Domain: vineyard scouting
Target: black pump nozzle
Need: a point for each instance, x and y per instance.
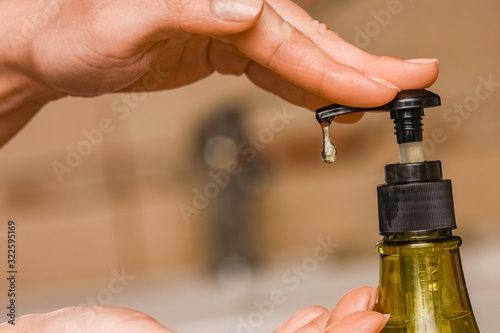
(415, 197)
(406, 109)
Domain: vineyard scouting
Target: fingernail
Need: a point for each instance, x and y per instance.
(383, 82)
(423, 61)
(237, 10)
(387, 316)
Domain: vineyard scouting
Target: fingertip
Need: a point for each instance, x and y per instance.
(428, 69)
(361, 321)
(359, 90)
(423, 61)
(434, 73)
(417, 74)
(405, 74)
(358, 299)
(373, 99)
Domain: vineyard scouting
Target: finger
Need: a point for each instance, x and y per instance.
(168, 18)
(278, 46)
(359, 299)
(270, 81)
(410, 74)
(226, 59)
(208, 17)
(362, 321)
(300, 319)
(406, 74)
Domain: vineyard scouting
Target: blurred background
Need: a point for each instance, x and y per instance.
(131, 200)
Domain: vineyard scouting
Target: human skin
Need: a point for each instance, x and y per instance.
(94, 47)
(351, 315)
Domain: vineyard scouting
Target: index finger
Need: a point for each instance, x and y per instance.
(277, 45)
(409, 74)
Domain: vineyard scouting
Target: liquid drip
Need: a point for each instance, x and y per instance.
(328, 151)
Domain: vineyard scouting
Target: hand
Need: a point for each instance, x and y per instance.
(86, 320)
(351, 315)
(88, 48)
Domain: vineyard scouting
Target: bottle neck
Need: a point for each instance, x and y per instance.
(418, 236)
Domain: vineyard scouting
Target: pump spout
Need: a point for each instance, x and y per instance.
(406, 110)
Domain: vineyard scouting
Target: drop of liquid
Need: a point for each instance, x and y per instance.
(328, 151)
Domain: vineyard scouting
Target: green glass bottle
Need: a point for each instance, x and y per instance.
(422, 284)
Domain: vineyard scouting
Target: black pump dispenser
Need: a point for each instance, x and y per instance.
(415, 197)
(421, 283)
(408, 104)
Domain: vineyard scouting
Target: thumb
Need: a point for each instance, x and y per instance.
(212, 17)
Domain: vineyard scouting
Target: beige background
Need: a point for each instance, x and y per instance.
(119, 207)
